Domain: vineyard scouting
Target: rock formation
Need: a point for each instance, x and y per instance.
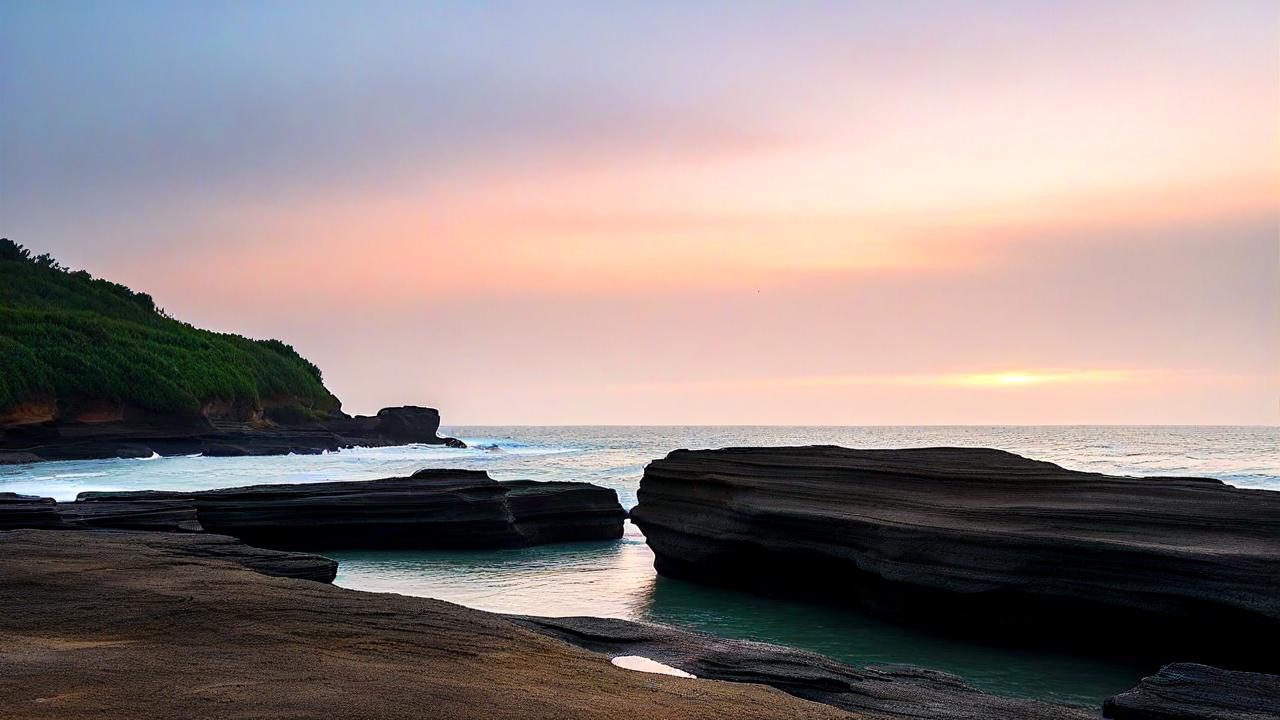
(430, 509)
(98, 623)
(144, 434)
(127, 627)
(885, 692)
(1186, 691)
(981, 541)
(27, 511)
(157, 515)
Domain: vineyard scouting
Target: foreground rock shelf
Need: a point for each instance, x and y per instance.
(875, 693)
(98, 623)
(135, 434)
(981, 541)
(430, 509)
(120, 627)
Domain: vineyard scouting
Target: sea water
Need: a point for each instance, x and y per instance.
(616, 579)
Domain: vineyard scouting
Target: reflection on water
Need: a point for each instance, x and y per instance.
(644, 664)
(616, 579)
(854, 638)
(603, 579)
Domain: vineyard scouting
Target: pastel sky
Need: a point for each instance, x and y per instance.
(668, 213)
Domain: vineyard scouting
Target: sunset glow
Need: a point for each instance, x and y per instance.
(855, 213)
(1035, 377)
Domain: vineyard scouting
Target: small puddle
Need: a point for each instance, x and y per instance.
(644, 664)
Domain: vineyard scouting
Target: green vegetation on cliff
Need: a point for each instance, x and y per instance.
(69, 336)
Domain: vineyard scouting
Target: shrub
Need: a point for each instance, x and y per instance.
(72, 336)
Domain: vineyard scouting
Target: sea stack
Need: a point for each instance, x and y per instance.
(980, 541)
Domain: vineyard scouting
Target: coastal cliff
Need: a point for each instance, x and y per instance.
(92, 369)
(981, 542)
(151, 435)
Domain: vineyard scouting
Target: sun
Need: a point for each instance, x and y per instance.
(1018, 378)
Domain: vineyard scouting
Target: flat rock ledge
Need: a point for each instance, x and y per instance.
(430, 509)
(1186, 691)
(886, 692)
(982, 542)
(148, 434)
(130, 625)
(28, 511)
(183, 548)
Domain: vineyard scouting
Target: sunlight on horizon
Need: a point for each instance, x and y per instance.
(851, 212)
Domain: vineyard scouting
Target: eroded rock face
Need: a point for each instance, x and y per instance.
(127, 626)
(430, 509)
(1187, 691)
(27, 511)
(157, 515)
(875, 693)
(143, 434)
(980, 541)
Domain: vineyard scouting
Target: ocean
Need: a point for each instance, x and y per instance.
(616, 579)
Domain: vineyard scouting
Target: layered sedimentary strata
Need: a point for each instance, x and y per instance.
(981, 541)
(875, 693)
(1187, 691)
(126, 627)
(157, 515)
(28, 511)
(430, 509)
(140, 434)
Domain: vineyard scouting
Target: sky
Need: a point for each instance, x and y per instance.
(681, 213)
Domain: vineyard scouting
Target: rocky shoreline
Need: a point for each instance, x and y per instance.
(100, 623)
(981, 542)
(145, 434)
(105, 624)
(214, 603)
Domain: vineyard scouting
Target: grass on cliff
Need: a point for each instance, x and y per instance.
(70, 336)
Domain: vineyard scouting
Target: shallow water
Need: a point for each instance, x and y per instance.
(616, 579)
(644, 664)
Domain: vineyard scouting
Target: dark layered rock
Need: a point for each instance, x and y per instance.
(1187, 691)
(404, 425)
(551, 512)
(137, 434)
(175, 547)
(156, 515)
(275, 563)
(886, 692)
(981, 541)
(430, 509)
(128, 627)
(28, 511)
